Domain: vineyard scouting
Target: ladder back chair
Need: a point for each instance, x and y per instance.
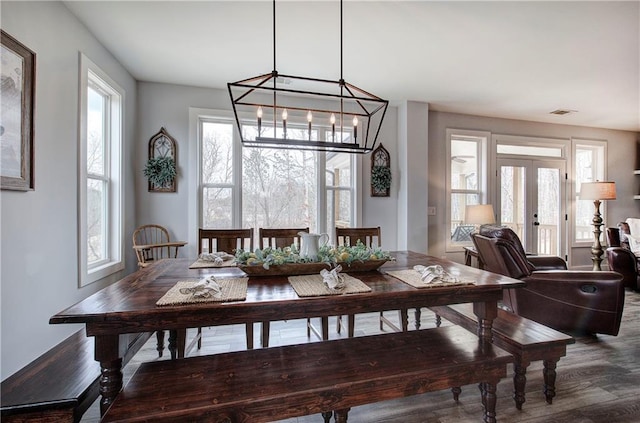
(276, 238)
(370, 237)
(229, 240)
(279, 238)
(152, 243)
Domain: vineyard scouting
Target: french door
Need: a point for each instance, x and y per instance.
(532, 201)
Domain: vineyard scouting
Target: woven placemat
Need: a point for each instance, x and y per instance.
(314, 286)
(412, 278)
(232, 289)
(201, 264)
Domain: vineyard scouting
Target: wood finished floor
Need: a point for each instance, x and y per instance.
(598, 381)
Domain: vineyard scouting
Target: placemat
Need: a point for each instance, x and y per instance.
(232, 289)
(411, 277)
(200, 264)
(314, 286)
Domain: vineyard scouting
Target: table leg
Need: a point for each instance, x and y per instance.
(341, 415)
(489, 399)
(107, 354)
(486, 313)
(519, 383)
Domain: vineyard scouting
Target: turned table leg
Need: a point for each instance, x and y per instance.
(327, 416)
(549, 373)
(160, 342)
(456, 391)
(341, 415)
(107, 353)
(489, 399)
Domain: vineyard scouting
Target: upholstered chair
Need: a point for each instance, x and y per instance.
(566, 300)
(620, 257)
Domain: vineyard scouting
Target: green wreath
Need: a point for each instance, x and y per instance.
(160, 171)
(380, 178)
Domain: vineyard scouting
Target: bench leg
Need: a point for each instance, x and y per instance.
(456, 391)
(341, 415)
(489, 399)
(519, 383)
(549, 373)
(327, 416)
(160, 342)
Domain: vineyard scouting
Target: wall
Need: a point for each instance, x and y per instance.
(165, 105)
(39, 251)
(623, 151)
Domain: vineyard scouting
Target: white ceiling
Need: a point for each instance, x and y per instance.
(517, 60)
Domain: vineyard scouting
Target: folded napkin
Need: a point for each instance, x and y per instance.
(333, 279)
(204, 288)
(435, 273)
(217, 258)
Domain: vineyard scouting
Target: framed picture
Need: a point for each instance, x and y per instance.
(17, 96)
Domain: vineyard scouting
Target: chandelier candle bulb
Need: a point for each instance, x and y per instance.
(259, 119)
(309, 119)
(284, 122)
(333, 127)
(355, 128)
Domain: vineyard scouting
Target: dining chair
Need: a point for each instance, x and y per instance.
(370, 237)
(279, 238)
(152, 243)
(229, 240)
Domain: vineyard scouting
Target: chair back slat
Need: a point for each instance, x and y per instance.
(350, 236)
(227, 240)
(279, 238)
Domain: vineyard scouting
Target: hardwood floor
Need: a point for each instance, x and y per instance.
(598, 380)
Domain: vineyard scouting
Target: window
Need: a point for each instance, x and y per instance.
(466, 183)
(589, 166)
(100, 169)
(271, 188)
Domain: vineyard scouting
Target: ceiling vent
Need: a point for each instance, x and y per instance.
(562, 112)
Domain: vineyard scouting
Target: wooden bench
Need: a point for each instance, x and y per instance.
(277, 383)
(527, 340)
(60, 385)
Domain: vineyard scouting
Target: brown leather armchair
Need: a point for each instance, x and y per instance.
(566, 300)
(620, 257)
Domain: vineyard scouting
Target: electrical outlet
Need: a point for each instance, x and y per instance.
(431, 211)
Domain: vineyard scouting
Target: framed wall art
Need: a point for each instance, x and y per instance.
(160, 169)
(17, 95)
(380, 172)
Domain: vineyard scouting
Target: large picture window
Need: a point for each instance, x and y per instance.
(589, 166)
(271, 188)
(100, 168)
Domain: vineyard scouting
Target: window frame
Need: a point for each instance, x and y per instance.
(90, 75)
(482, 139)
(198, 116)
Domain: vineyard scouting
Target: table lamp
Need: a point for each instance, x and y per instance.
(479, 214)
(597, 191)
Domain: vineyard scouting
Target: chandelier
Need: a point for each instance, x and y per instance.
(274, 110)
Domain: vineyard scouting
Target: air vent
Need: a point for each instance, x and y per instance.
(562, 112)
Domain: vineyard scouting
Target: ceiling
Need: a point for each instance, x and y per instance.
(518, 60)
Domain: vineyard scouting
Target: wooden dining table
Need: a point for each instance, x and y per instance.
(129, 305)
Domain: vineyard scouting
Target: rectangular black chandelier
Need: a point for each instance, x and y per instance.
(294, 112)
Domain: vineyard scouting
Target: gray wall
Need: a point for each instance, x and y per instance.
(39, 249)
(623, 151)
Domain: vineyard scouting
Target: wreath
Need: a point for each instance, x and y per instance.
(380, 178)
(160, 171)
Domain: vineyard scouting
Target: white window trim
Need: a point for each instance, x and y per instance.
(596, 144)
(484, 194)
(115, 215)
(196, 115)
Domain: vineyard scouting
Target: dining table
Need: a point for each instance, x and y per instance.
(130, 304)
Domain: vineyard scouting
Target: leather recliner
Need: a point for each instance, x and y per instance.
(566, 300)
(620, 257)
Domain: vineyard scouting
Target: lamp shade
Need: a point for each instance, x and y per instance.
(479, 214)
(598, 191)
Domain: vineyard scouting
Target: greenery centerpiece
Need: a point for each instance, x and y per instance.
(160, 170)
(357, 257)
